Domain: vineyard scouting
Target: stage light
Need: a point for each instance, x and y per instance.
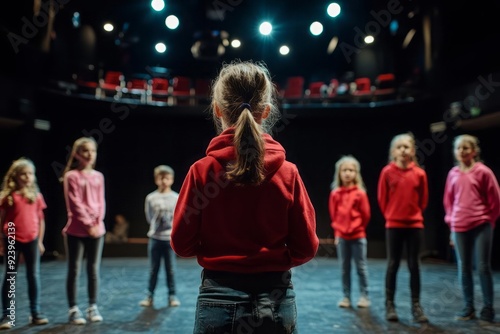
(408, 38)
(236, 43)
(265, 28)
(160, 47)
(172, 22)
(332, 45)
(158, 5)
(333, 9)
(284, 50)
(108, 27)
(316, 28)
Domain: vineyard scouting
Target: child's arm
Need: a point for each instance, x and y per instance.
(364, 209)
(448, 199)
(102, 200)
(41, 219)
(493, 196)
(382, 192)
(424, 192)
(148, 210)
(41, 235)
(332, 206)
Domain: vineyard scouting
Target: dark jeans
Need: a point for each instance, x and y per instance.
(31, 255)
(396, 239)
(230, 303)
(158, 249)
(75, 249)
(478, 241)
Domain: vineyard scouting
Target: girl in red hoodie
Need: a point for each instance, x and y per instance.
(244, 212)
(402, 197)
(350, 213)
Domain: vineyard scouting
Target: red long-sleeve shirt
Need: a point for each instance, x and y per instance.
(270, 227)
(403, 195)
(349, 212)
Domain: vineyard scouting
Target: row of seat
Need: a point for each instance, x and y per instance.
(359, 90)
(182, 90)
(175, 90)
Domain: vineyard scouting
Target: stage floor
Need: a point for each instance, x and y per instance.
(317, 285)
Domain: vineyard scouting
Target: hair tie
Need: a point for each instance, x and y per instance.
(244, 106)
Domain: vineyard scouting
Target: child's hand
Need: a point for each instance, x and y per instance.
(41, 247)
(336, 242)
(94, 231)
(452, 244)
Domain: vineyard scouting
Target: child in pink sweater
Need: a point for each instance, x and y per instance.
(84, 230)
(472, 205)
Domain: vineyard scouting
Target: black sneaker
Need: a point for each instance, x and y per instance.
(390, 311)
(487, 314)
(38, 319)
(468, 313)
(418, 313)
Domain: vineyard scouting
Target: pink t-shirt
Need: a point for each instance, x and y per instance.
(85, 204)
(26, 217)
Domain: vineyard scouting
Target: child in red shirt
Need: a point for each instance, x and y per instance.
(23, 229)
(350, 213)
(245, 213)
(402, 197)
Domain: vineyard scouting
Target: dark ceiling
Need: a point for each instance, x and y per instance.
(463, 35)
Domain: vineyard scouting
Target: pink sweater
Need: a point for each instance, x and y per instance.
(471, 198)
(85, 204)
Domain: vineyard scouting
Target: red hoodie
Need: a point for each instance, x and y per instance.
(349, 212)
(402, 195)
(246, 229)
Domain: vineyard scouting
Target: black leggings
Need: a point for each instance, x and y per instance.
(75, 249)
(396, 238)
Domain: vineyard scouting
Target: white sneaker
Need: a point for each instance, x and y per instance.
(93, 314)
(147, 302)
(76, 316)
(5, 323)
(363, 302)
(173, 301)
(345, 303)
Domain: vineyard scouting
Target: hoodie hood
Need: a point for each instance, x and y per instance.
(222, 149)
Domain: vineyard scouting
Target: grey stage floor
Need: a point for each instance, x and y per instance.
(317, 284)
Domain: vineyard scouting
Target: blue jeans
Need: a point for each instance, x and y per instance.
(75, 248)
(262, 303)
(349, 250)
(478, 241)
(31, 255)
(158, 249)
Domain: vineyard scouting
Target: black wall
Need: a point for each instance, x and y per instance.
(133, 139)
